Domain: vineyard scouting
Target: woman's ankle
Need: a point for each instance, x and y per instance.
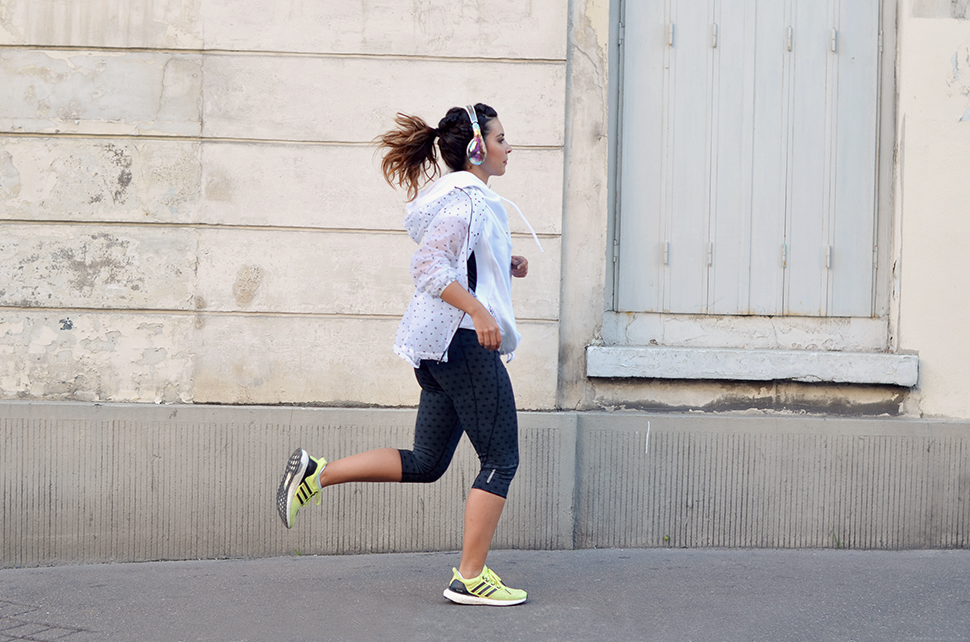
(471, 573)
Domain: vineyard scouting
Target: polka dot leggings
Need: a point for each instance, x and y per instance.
(470, 393)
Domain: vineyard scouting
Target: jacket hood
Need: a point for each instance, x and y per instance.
(422, 210)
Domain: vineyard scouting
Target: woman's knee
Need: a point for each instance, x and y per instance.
(418, 470)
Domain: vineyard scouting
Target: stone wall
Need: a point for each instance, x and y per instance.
(192, 210)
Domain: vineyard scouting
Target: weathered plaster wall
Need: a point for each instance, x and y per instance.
(933, 200)
(191, 210)
(586, 211)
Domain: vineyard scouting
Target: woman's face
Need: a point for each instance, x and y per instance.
(497, 153)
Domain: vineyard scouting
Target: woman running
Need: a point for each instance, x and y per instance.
(457, 325)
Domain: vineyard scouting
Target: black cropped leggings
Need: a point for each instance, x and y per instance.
(469, 393)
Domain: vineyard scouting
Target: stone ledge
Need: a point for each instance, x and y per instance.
(751, 365)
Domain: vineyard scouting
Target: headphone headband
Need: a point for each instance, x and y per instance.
(476, 146)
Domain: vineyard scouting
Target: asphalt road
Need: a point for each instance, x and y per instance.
(591, 595)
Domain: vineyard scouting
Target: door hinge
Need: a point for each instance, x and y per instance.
(710, 254)
(714, 37)
(666, 251)
(791, 35)
(670, 34)
(828, 257)
(784, 255)
(622, 35)
(835, 40)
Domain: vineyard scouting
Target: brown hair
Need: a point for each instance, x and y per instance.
(410, 153)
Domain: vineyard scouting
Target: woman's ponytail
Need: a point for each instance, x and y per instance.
(410, 157)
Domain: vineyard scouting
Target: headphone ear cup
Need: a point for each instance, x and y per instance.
(476, 147)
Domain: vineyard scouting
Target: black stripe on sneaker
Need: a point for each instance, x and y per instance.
(303, 494)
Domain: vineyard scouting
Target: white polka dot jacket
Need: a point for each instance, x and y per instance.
(451, 218)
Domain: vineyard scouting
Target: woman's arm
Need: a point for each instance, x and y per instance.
(437, 261)
(486, 328)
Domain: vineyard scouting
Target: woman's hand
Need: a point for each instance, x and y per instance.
(487, 330)
(520, 266)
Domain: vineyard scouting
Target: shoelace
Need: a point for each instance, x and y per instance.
(489, 576)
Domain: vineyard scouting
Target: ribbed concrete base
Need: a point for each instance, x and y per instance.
(86, 483)
(778, 482)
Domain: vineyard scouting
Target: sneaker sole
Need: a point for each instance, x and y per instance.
(295, 468)
(458, 598)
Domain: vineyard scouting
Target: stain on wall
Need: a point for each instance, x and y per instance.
(102, 259)
(247, 283)
(77, 179)
(77, 266)
(55, 92)
(136, 23)
(121, 159)
(9, 177)
(959, 80)
(750, 397)
(95, 357)
(959, 9)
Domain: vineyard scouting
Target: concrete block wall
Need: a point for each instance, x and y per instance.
(191, 209)
(111, 483)
(771, 482)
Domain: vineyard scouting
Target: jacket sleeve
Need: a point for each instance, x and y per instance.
(438, 261)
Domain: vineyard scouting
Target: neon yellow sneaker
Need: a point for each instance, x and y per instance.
(486, 589)
(299, 484)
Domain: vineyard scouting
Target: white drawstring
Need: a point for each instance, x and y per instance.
(522, 216)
